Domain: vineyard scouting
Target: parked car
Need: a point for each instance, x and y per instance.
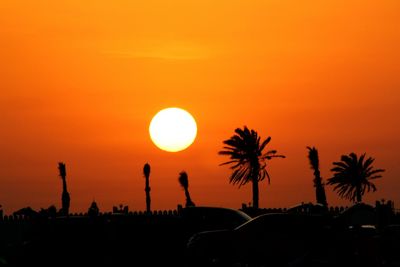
(198, 219)
(172, 237)
(267, 240)
(390, 245)
(212, 218)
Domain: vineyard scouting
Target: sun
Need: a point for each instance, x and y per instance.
(173, 129)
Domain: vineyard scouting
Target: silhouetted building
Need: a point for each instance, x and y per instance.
(27, 212)
(121, 209)
(50, 212)
(93, 209)
(385, 212)
(358, 214)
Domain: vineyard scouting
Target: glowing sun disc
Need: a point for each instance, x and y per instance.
(173, 129)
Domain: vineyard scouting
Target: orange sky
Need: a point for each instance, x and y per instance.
(81, 80)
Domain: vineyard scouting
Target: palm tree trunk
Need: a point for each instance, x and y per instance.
(320, 191)
(359, 198)
(255, 193)
(147, 190)
(321, 196)
(64, 184)
(319, 188)
(65, 198)
(189, 201)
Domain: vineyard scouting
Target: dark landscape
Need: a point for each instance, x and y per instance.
(358, 236)
(209, 133)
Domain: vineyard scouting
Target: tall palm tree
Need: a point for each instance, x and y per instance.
(352, 176)
(146, 173)
(184, 181)
(247, 159)
(65, 198)
(318, 184)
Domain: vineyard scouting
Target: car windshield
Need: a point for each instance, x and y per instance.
(281, 221)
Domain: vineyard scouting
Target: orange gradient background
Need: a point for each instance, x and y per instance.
(81, 80)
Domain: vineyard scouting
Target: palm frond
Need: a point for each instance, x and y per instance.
(352, 175)
(62, 169)
(265, 143)
(183, 179)
(313, 157)
(245, 150)
(146, 170)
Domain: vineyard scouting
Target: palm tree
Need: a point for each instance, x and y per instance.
(146, 173)
(352, 176)
(247, 159)
(65, 199)
(184, 181)
(318, 184)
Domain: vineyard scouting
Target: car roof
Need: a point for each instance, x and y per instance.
(284, 219)
(207, 209)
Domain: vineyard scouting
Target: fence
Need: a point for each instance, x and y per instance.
(28, 214)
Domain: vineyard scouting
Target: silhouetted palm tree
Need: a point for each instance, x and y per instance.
(247, 158)
(146, 172)
(184, 181)
(318, 184)
(352, 175)
(65, 199)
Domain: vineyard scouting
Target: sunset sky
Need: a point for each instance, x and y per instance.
(81, 80)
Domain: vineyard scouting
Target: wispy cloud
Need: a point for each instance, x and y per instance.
(167, 51)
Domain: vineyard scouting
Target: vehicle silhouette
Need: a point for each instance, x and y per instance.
(212, 218)
(280, 239)
(292, 239)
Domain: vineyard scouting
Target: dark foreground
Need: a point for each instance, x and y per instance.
(162, 240)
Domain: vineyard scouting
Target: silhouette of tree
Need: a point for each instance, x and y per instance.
(146, 173)
(184, 181)
(318, 184)
(352, 175)
(65, 199)
(247, 159)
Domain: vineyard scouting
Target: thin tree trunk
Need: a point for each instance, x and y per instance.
(319, 188)
(147, 190)
(255, 193)
(65, 203)
(359, 198)
(321, 196)
(64, 184)
(65, 198)
(320, 191)
(189, 201)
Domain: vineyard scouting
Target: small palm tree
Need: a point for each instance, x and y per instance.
(318, 184)
(65, 198)
(184, 181)
(248, 159)
(352, 176)
(146, 173)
